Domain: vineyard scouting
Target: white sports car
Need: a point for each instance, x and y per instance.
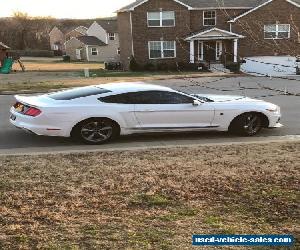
(96, 114)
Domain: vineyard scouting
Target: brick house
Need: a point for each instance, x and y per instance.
(192, 31)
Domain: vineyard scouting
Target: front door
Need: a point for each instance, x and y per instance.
(163, 110)
(219, 50)
(78, 54)
(210, 51)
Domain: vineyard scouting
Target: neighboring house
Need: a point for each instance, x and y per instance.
(87, 48)
(57, 40)
(192, 31)
(78, 31)
(101, 43)
(3, 51)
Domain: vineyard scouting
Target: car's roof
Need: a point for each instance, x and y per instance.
(124, 87)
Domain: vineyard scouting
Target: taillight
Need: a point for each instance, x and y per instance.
(32, 112)
(25, 109)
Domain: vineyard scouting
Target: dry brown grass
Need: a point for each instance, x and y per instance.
(56, 66)
(154, 199)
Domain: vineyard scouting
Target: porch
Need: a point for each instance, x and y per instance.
(213, 46)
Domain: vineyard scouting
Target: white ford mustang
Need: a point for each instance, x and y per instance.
(96, 114)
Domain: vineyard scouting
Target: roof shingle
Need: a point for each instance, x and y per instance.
(91, 40)
(247, 4)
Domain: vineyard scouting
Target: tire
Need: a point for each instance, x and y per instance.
(248, 124)
(96, 131)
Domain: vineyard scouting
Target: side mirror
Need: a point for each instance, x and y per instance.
(196, 103)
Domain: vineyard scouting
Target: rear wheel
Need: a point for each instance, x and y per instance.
(248, 124)
(96, 131)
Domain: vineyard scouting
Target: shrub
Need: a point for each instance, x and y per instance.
(133, 65)
(66, 58)
(162, 67)
(184, 66)
(113, 66)
(234, 67)
(149, 67)
(34, 53)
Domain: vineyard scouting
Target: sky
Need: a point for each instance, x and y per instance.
(63, 8)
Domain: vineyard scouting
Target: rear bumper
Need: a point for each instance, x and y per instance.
(35, 125)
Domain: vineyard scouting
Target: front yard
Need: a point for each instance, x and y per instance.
(153, 199)
(55, 65)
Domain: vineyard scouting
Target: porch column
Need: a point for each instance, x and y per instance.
(192, 51)
(235, 50)
(201, 51)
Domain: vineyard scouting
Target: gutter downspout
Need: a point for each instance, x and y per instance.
(131, 33)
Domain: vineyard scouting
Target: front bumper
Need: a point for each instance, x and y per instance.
(274, 121)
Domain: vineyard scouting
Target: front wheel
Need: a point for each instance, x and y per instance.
(248, 124)
(95, 131)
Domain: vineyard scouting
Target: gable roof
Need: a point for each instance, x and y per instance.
(294, 2)
(55, 28)
(111, 26)
(81, 29)
(3, 46)
(91, 40)
(204, 4)
(213, 33)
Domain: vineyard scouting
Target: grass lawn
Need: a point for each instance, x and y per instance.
(56, 66)
(153, 199)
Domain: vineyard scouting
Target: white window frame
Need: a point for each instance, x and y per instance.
(205, 18)
(160, 19)
(277, 32)
(92, 48)
(161, 50)
(111, 35)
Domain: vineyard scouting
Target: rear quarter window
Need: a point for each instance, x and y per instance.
(77, 93)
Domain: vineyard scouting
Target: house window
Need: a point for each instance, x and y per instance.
(118, 51)
(161, 19)
(209, 18)
(94, 51)
(111, 36)
(162, 49)
(277, 31)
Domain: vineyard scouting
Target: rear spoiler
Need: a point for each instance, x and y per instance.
(34, 101)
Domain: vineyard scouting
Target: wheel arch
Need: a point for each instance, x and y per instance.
(96, 117)
(265, 119)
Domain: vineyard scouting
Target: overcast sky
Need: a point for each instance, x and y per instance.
(63, 8)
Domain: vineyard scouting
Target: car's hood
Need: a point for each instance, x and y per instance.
(224, 98)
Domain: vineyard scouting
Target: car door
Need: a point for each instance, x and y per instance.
(171, 110)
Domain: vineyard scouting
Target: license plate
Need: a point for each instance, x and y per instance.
(13, 117)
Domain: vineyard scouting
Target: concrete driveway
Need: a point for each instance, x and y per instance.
(15, 140)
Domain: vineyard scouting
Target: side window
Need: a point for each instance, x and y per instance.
(164, 97)
(118, 99)
(148, 97)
